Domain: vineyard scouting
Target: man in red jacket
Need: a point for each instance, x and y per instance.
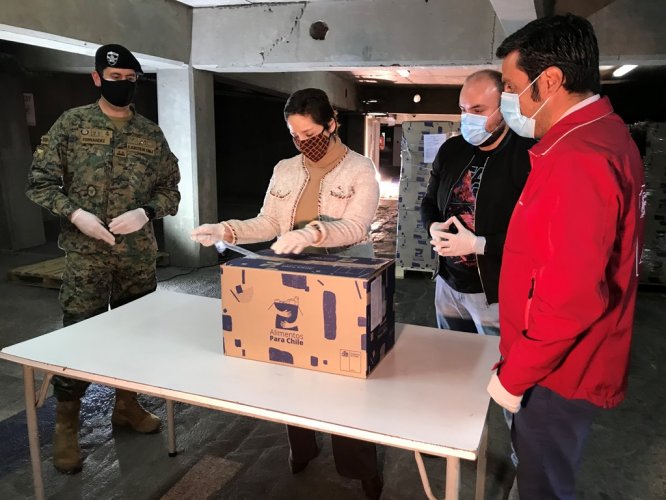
(569, 274)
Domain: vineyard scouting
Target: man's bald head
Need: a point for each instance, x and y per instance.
(480, 95)
(481, 92)
(486, 75)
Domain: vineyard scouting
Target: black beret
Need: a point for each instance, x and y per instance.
(115, 56)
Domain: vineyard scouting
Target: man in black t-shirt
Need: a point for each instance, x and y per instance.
(475, 182)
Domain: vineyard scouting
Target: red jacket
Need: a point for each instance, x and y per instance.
(570, 269)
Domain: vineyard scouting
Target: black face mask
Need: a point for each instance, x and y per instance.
(118, 92)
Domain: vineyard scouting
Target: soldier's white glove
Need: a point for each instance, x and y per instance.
(296, 241)
(129, 222)
(503, 397)
(464, 242)
(90, 225)
(208, 234)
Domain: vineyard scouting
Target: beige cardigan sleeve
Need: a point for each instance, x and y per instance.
(353, 226)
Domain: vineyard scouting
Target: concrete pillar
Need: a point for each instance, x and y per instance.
(186, 114)
(21, 224)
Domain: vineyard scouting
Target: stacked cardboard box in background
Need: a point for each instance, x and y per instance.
(413, 251)
(653, 262)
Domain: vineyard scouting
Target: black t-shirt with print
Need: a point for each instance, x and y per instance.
(461, 273)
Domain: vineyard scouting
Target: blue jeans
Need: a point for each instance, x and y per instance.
(465, 312)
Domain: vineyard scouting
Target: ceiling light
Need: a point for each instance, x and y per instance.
(623, 70)
(403, 73)
(417, 97)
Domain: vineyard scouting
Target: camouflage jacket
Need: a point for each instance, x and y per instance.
(85, 162)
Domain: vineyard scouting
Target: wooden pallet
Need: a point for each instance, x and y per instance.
(401, 272)
(48, 273)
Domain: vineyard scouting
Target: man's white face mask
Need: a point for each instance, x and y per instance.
(519, 123)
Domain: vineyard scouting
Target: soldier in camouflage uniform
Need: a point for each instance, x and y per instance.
(106, 171)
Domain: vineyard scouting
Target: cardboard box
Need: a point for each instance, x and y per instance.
(322, 312)
(411, 194)
(413, 240)
(413, 248)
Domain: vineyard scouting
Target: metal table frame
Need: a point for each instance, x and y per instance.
(487, 349)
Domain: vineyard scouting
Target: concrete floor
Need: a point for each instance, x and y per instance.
(223, 456)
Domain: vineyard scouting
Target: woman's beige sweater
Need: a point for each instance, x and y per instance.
(348, 198)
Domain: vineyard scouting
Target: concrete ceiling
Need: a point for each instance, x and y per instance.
(225, 3)
(446, 75)
(455, 75)
(617, 29)
(511, 14)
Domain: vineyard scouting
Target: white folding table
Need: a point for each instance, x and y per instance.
(427, 396)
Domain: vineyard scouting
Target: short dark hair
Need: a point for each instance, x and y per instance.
(567, 42)
(313, 103)
(490, 74)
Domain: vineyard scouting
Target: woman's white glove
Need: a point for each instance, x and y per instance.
(296, 241)
(208, 234)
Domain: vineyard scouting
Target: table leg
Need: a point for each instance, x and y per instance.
(44, 389)
(424, 476)
(171, 429)
(452, 478)
(33, 432)
(481, 464)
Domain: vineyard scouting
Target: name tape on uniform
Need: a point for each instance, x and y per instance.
(140, 145)
(95, 136)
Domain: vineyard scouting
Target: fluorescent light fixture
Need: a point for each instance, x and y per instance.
(623, 70)
(403, 73)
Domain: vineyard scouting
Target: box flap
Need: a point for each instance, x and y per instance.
(318, 264)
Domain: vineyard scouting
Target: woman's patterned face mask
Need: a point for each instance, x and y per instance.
(313, 148)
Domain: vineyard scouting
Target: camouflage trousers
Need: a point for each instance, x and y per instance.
(90, 285)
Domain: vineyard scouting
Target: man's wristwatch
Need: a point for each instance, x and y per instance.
(150, 211)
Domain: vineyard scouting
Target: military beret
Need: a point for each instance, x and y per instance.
(116, 56)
